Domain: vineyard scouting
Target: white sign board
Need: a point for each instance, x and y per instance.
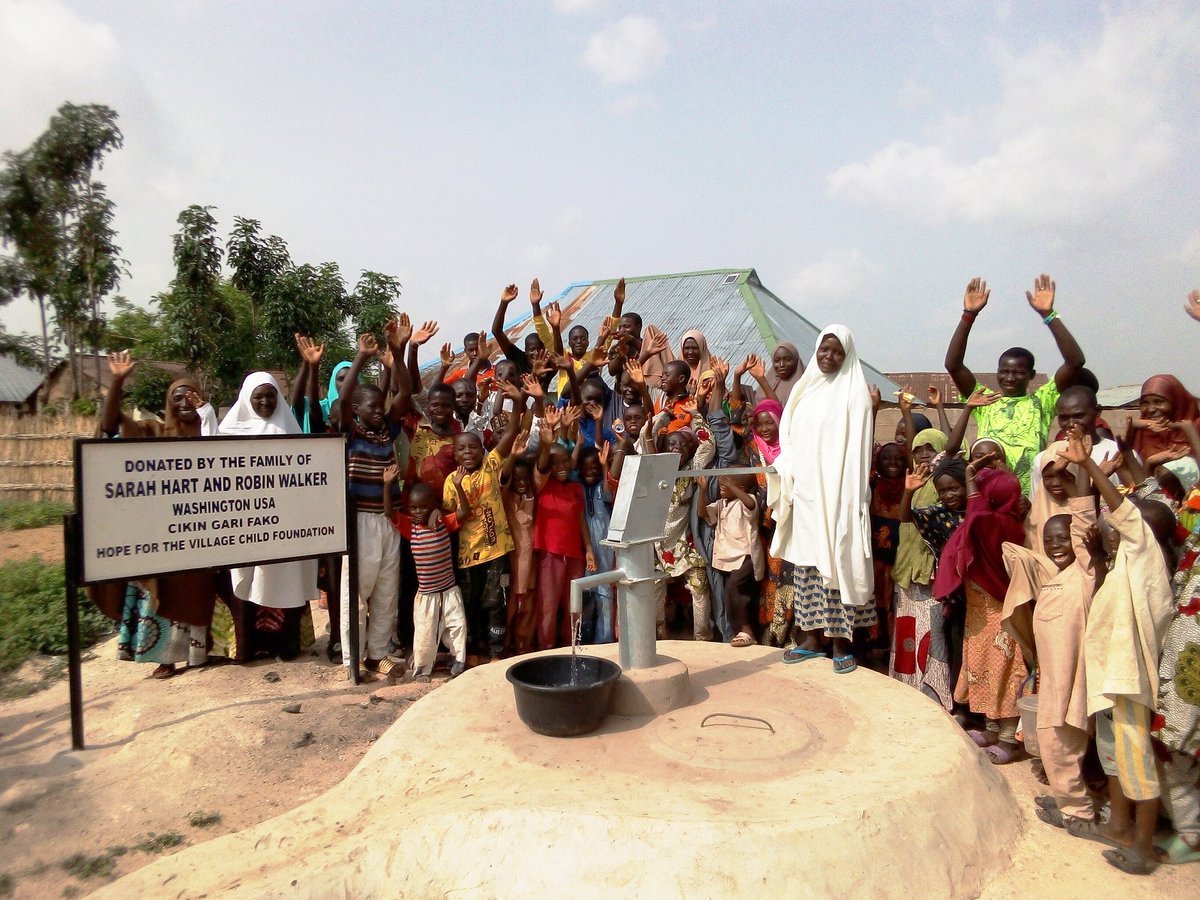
(154, 506)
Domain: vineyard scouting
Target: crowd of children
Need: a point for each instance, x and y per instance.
(1060, 562)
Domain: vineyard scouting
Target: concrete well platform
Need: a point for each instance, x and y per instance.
(856, 786)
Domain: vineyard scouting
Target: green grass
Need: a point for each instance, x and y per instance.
(157, 843)
(18, 514)
(204, 820)
(34, 613)
(102, 865)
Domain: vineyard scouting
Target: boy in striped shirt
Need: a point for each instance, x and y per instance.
(438, 615)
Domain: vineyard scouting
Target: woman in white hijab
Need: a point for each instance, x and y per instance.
(270, 602)
(821, 500)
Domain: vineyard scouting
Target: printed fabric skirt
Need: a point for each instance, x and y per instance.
(920, 656)
(775, 608)
(992, 668)
(145, 636)
(819, 608)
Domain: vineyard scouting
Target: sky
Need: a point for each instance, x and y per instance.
(867, 158)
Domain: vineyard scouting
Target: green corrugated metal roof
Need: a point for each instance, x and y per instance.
(736, 313)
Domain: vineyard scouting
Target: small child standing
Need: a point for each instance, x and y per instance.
(1058, 580)
(484, 540)
(520, 500)
(1126, 626)
(597, 512)
(560, 538)
(438, 615)
(737, 549)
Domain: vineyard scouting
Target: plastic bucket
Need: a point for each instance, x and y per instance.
(1028, 707)
(563, 695)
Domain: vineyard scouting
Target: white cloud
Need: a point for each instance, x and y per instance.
(1071, 132)
(629, 103)
(578, 6)
(626, 51)
(838, 273)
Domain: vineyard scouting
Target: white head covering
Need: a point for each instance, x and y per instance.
(821, 494)
(242, 419)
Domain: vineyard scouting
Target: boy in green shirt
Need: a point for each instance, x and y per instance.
(1015, 419)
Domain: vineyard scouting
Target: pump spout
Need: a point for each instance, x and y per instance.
(579, 585)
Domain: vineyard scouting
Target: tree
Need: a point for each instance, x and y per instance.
(196, 316)
(28, 229)
(87, 263)
(374, 303)
(308, 299)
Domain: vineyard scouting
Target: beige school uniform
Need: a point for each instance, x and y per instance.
(1126, 626)
(1056, 624)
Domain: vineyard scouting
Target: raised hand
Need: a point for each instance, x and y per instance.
(756, 368)
(554, 315)
(535, 293)
(1042, 296)
(447, 355)
(552, 419)
(459, 474)
(935, 396)
(981, 397)
(401, 332)
(633, 371)
(905, 400)
(509, 294)
(720, 368)
(619, 291)
(1093, 540)
(916, 479)
(876, 398)
(485, 347)
(571, 416)
(982, 462)
(1112, 464)
(310, 351)
(605, 453)
(655, 341)
(521, 444)
(1192, 307)
(538, 362)
(367, 345)
(1076, 452)
(604, 333)
(532, 387)
(744, 366)
(391, 473)
(424, 333)
(121, 364)
(510, 389)
(385, 357)
(976, 296)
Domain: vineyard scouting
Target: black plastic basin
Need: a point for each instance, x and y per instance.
(561, 696)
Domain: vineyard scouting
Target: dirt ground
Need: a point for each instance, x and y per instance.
(44, 542)
(178, 762)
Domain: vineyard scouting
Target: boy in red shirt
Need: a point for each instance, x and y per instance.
(438, 614)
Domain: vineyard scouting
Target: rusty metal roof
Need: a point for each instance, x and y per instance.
(732, 308)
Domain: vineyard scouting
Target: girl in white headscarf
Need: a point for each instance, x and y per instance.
(270, 602)
(821, 500)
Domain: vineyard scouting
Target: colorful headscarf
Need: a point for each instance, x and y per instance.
(1183, 408)
(332, 393)
(768, 451)
(173, 427)
(783, 386)
(974, 551)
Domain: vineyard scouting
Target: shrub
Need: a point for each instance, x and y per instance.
(18, 514)
(34, 613)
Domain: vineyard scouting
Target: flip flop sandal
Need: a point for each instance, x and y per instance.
(390, 667)
(799, 654)
(1045, 801)
(1090, 831)
(982, 739)
(844, 665)
(1001, 755)
(164, 672)
(1051, 816)
(742, 640)
(1130, 860)
(1178, 850)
